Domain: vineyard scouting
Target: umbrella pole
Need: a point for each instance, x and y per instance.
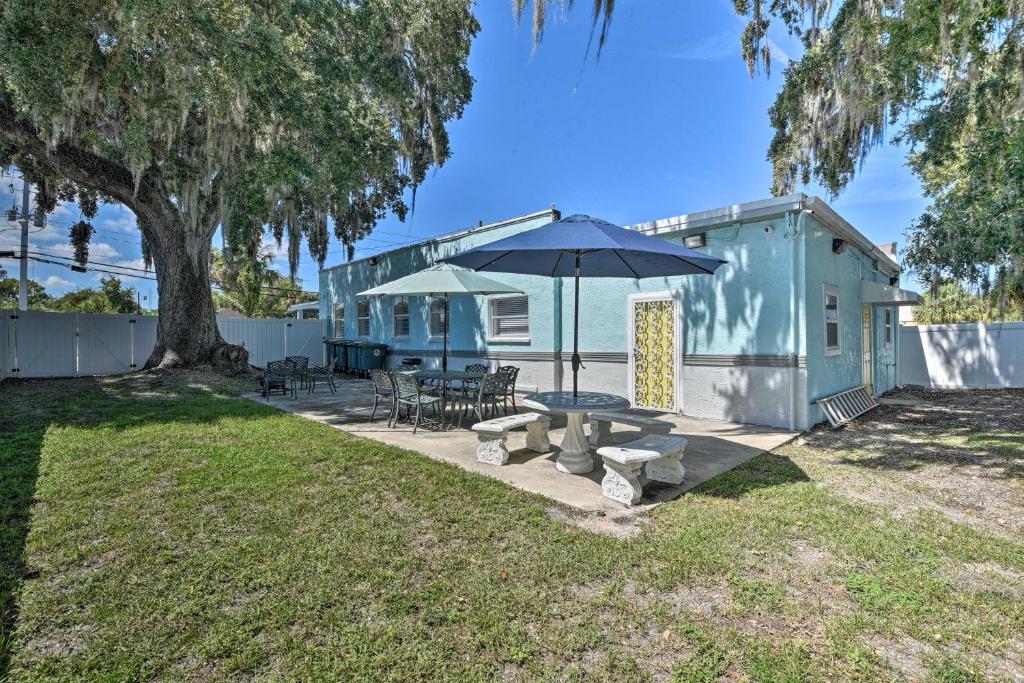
(576, 363)
(444, 355)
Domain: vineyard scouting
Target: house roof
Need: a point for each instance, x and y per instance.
(763, 209)
(702, 221)
(448, 237)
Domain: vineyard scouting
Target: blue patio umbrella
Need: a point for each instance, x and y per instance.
(583, 246)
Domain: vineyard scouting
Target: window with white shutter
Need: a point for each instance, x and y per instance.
(339, 320)
(363, 317)
(509, 319)
(831, 301)
(437, 317)
(400, 317)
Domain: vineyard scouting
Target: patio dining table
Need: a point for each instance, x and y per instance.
(445, 378)
(574, 457)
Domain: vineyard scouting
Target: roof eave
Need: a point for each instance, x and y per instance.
(765, 209)
(446, 238)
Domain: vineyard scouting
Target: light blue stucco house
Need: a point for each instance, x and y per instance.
(805, 307)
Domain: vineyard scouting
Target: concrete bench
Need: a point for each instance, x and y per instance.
(601, 426)
(662, 453)
(492, 435)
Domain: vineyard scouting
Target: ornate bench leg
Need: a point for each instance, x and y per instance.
(667, 469)
(600, 433)
(537, 437)
(621, 482)
(491, 448)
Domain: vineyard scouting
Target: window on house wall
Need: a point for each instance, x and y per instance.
(888, 326)
(339, 320)
(436, 316)
(510, 318)
(363, 317)
(400, 317)
(831, 303)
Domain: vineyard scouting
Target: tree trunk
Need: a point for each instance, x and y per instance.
(187, 332)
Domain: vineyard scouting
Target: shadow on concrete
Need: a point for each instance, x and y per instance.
(713, 447)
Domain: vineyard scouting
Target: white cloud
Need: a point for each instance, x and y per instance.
(97, 250)
(56, 282)
(724, 45)
(123, 223)
(710, 48)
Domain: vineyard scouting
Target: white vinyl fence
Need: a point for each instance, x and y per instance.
(963, 356)
(38, 344)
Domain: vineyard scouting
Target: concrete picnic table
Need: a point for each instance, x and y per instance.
(574, 457)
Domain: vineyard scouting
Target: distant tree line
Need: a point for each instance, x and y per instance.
(952, 302)
(112, 296)
(254, 289)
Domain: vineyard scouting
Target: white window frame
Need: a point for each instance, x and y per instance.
(491, 327)
(335, 319)
(396, 316)
(435, 335)
(360, 318)
(887, 327)
(826, 291)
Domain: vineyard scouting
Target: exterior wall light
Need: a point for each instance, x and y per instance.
(694, 241)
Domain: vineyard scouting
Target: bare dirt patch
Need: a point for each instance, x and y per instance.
(959, 453)
(906, 655)
(627, 524)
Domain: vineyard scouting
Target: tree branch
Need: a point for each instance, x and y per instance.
(87, 169)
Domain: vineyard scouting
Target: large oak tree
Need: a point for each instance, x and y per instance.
(298, 117)
(944, 76)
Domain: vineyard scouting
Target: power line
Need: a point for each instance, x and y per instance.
(41, 257)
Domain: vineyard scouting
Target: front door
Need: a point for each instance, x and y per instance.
(869, 343)
(653, 357)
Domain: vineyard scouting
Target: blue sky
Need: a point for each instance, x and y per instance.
(667, 122)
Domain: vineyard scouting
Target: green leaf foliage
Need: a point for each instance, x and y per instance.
(297, 115)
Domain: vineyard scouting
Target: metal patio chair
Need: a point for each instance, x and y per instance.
(509, 374)
(300, 364)
(409, 394)
(383, 390)
(325, 375)
(477, 400)
(277, 376)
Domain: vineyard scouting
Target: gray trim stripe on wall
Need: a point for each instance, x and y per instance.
(695, 359)
(758, 360)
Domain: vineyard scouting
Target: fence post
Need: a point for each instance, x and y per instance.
(75, 347)
(16, 355)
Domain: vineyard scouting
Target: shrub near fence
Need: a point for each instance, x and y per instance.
(43, 344)
(962, 356)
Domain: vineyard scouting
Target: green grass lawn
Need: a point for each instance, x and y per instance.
(158, 528)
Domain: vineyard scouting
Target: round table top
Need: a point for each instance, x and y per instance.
(585, 402)
(450, 374)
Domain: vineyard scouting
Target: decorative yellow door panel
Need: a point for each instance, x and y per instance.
(654, 355)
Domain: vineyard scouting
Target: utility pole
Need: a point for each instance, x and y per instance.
(23, 278)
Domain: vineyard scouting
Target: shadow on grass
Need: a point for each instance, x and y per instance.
(31, 408)
(21, 444)
(766, 471)
(976, 428)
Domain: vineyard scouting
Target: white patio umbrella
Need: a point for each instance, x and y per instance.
(442, 280)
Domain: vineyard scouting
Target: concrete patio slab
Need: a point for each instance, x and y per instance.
(713, 447)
